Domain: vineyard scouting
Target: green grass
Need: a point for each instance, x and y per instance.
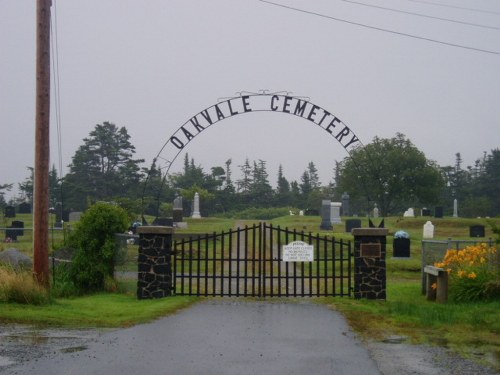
(466, 328)
(99, 310)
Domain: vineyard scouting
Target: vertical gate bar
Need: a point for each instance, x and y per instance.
(294, 267)
(349, 265)
(334, 262)
(198, 266)
(287, 270)
(190, 269)
(318, 261)
(325, 263)
(264, 250)
(207, 255)
(230, 256)
(341, 268)
(245, 262)
(302, 270)
(222, 258)
(271, 258)
(214, 266)
(182, 266)
(279, 260)
(262, 254)
(238, 262)
(310, 267)
(254, 252)
(174, 267)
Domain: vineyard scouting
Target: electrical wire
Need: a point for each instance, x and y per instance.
(422, 15)
(57, 91)
(381, 29)
(455, 7)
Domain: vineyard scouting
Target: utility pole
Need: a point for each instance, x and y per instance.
(42, 145)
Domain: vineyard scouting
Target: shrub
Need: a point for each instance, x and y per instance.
(95, 247)
(474, 273)
(20, 287)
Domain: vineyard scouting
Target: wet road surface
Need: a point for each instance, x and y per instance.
(220, 337)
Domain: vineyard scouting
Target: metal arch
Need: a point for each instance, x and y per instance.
(245, 102)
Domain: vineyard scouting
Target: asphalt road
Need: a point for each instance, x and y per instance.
(220, 337)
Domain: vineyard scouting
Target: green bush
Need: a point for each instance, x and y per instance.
(95, 247)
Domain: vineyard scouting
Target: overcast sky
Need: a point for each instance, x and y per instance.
(152, 65)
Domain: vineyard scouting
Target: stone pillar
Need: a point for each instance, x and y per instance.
(370, 270)
(154, 279)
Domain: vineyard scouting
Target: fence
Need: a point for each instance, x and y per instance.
(434, 251)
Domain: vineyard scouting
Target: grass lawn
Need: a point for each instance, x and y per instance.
(472, 329)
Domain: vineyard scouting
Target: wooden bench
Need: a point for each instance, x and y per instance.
(438, 276)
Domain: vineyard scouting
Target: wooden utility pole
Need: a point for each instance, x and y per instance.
(42, 145)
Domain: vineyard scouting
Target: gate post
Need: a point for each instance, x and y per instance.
(369, 263)
(154, 279)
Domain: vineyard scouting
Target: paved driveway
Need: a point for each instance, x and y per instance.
(220, 337)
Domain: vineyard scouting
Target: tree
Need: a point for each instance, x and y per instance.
(245, 183)
(103, 167)
(490, 181)
(260, 189)
(283, 194)
(3, 187)
(392, 173)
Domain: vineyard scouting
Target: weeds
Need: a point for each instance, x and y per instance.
(19, 286)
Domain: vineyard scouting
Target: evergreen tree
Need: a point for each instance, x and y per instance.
(103, 168)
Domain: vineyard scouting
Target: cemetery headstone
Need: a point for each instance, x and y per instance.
(438, 212)
(345, 204)
(476, 231)
(177, 209)
(401, 245)
(326, 223)
(428, 230)
(24, 208)
(426, 212)
(196, 206)
(350, 224)
(10, 211)
(18, 224)
(375, 211)
(455, 208)
(335, 213)
(163, 221)
(409, 213)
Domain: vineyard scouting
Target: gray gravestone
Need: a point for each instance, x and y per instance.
(177, 211)
(345, 204)
(326, 211)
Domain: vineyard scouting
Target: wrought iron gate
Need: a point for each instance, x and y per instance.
(248, 262)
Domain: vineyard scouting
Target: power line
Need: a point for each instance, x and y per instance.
(422, 15)
(455, 7)
(381, 29)
(57, 91)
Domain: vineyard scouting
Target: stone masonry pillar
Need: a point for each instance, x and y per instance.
(370, 270)
(154, 279)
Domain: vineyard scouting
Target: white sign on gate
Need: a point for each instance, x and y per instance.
(298, 251)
